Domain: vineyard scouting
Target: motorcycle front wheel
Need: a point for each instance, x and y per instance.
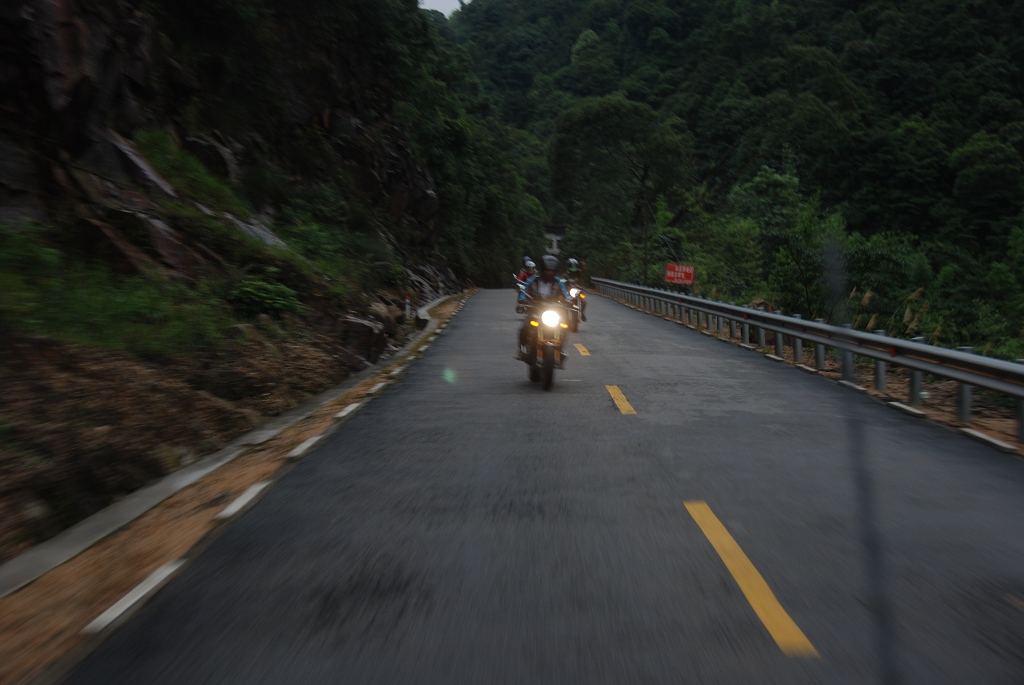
(548, 370)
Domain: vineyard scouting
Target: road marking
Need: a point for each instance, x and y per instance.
(583, 351)
(242, 500)
(620, 400)
(301, 449)
(783, 629)
(346, 411)
(375, 389)
(147, 587)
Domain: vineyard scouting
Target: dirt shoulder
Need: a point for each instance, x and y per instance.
(41, 624)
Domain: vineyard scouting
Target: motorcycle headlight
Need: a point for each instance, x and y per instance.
(573, 292)
(550, 318)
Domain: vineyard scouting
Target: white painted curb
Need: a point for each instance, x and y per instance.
(989, 440)
(242, 501)
(907, 409)
(304, 447)
(141, 591)
(347, 410)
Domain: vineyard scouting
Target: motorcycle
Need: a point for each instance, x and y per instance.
(545, 346)
(520, 295)
(579, 302)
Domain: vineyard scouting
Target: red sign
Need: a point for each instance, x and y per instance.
(679, 273)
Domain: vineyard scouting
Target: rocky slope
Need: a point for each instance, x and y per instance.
(80, 426)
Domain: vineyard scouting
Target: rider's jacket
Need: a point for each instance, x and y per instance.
(538, 287)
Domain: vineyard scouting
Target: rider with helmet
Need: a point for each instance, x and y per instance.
(544, 287)
(573, 276)
(529, 269)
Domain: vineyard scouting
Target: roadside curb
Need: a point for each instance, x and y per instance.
(118, 613)
(23, 569)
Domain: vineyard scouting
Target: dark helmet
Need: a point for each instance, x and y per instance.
(550, 262)
(572, 265)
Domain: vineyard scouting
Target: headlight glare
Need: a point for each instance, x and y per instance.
(550, 318)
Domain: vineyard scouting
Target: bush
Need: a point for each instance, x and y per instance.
(43, 292)
(187, 174)
(255, 296)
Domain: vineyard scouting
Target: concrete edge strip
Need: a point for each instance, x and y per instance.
(804, 367)
(348, 410)
(774, 357)
(377, 388)
(304, 447)
(989, 440)
(397, 371)
(242, 501)
(136, 596)
(853, 386)
(906, 409)
(42, 558)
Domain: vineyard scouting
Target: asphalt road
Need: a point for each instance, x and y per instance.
(468, 527)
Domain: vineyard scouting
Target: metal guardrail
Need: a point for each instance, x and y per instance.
(961, 365)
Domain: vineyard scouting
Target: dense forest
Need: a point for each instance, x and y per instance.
(857, 161)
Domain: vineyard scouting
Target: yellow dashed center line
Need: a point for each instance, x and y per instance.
(782, 628)
(583, 351)
(620, 400)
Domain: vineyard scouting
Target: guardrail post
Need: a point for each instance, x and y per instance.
(780, 343)
(916, 378)
(732, 324)
(819, 352)
(964, 405)
(798, 346)
(721, 323)
(760, 332)
(880, 383)
(847, 360)
(1020, 414)
(746, 329)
